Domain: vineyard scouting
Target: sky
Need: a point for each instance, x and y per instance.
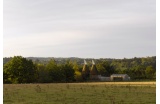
(79, 28)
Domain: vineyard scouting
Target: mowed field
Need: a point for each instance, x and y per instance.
(81, 93)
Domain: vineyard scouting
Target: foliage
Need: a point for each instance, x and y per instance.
(55, 73)
(150, 72)
(104, 68)
(78, 76)
(43, 74)
(48, 70)
(19, 70)
(68, 72)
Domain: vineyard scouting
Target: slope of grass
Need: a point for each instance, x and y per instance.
(81, 93)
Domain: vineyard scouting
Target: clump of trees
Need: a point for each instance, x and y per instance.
(18, 69)
(136, 68)
(22, 70)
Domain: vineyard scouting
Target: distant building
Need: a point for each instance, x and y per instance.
(85, 71)
(94, 72)
(103, 78)
(119, 77)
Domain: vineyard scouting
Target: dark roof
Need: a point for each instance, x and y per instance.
(94, 70)
(116, 75)
(85, 69)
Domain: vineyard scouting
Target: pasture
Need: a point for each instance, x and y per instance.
(81, 93)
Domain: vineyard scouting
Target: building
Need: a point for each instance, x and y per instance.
(119, 77)
(91, 74)
(103, 78)
(94, 72)
(85, 71)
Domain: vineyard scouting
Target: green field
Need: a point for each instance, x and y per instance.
(81, 93)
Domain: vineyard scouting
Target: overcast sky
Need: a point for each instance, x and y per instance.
(79, 28)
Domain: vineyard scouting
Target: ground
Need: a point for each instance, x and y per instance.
(81, 93)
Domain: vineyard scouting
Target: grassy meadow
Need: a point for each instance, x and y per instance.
(81, 93)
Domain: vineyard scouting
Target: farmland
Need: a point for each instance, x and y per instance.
(81, 93)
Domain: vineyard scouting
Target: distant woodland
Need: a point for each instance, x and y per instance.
(20, 69)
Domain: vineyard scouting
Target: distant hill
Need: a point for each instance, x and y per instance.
(73, 59)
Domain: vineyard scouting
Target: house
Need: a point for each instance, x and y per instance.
(119, 77)
(103, 78)
(91, 74)
(85, 71)
(94, 72)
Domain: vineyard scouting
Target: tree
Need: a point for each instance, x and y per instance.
(102, 71)
(55, 73)
(137, 72)
(68, 72)
(19, 70)
(150, 72)
(42, 74)
(78, 76)
(75, 66)
(104, 68)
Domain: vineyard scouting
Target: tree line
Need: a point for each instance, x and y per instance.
(18, 69)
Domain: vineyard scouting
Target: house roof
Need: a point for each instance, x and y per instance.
(117, 75)
(94, 70)
(85, 68)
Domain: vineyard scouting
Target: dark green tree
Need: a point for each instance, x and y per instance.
(68, 72)
(150, 72)
(104, 68)
(42, 74)
(55, 72)
(19, 70)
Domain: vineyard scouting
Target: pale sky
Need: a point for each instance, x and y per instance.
(79, 28)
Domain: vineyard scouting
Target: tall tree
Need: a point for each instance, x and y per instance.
(55, 73)
(42, 74)
(104, 68)
(19, 70)
(68, 71)
(150, 72)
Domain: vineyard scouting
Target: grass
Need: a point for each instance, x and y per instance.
(81, 93)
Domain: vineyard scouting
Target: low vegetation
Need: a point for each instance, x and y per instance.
(81, 93)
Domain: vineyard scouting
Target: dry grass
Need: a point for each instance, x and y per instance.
(81, 93)
(119, 83)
